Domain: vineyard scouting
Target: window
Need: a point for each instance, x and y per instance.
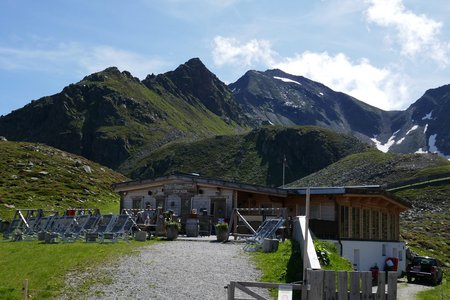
(314, 212)
(137, 202)
(375, 225)
(343, 221)
(392, 225)
(384, 226)
(327, 212)
(366, 224)
(355, 223)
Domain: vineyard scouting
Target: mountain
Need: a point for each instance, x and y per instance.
(38, 176)
(112, 117)
(117, 120)
(195, 84)
(276, 97)
(424, 126)
(256, 157)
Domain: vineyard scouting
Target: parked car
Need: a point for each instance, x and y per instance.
(424, 267)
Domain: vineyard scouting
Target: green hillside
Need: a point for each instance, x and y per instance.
(38, 176)
(113, 118)
(375, 167)
(255, 157)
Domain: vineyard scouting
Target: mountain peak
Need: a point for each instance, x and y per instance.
(110, 72)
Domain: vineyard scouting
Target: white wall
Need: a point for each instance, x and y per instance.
(371, 252)
(298, 235)
(128, 201)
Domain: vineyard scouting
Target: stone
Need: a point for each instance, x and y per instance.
(87, 169)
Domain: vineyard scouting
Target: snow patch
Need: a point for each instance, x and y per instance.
(421, 151)
(412, 129)
(433, 148)
(428, 116)
(385, 147)
(287, 80)
(425, 129)
(292, 104)
(400, 141)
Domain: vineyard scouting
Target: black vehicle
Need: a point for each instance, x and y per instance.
(424, 267)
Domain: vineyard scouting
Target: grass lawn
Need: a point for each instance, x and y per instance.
(45, 265)
(441, 291)
(285, 265)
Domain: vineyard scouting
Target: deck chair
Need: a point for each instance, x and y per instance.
(121, 228)
(13, 226)
(58, 228)
(45, 223)
(30, 231)
(75, 229)
(104, 224)
(90, 224)
(266, 230)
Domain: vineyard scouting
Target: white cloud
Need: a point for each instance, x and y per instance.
(380, 87)
(415, 34)
(102, 57)
(64, 57)
(230, 51)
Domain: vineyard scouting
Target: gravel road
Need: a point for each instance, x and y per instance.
(181, 269)
(410, 290)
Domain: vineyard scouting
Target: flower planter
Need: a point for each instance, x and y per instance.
(171, 233)
(222, 235)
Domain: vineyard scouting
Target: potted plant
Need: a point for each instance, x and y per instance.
(172, 229)
(222, 231)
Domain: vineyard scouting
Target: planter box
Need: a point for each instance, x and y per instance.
(140, 236)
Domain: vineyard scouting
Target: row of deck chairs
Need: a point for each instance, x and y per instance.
(109, 227)
(267, 229)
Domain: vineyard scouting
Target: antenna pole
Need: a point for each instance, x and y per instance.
(284, 169)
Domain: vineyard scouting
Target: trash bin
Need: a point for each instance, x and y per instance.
(192, 227)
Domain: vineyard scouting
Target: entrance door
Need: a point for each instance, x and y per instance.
(173, 202)
(356, 259)
(219, 208)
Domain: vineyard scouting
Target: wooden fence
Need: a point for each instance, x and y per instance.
(329, 285)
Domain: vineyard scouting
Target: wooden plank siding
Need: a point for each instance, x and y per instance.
(358, 217)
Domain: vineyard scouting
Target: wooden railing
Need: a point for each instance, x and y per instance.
(329, 285)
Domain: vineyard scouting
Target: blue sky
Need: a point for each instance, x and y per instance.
(384, 52)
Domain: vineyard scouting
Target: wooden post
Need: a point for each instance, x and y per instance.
(366, 286)
(354, 285)
(381, 291)
(329, 289)
(25, 290)
(230, 291)
(392, 286)
(342, 285)
(315, 280)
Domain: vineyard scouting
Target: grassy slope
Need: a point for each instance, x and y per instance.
(178, 119)
(375, 167)
(285, 265)
(38, 176)
(255, 157)
(47, 265)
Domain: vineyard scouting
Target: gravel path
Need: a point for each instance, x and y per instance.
(180, 269)
(410, 290)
